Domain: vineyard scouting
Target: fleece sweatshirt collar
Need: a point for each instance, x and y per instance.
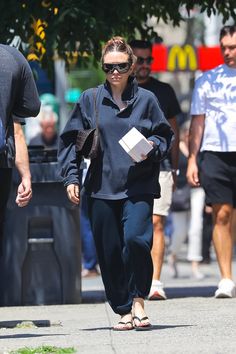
(129, 93)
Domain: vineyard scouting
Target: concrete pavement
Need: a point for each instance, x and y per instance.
(190, 321)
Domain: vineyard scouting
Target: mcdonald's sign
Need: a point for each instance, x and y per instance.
(185, 58)
(182, 58)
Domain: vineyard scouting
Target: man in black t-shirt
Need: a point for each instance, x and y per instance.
(170, 107)
(19, 99)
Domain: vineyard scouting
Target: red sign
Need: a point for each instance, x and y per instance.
(185, 58)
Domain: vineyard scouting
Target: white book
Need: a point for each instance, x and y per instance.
(135, 144)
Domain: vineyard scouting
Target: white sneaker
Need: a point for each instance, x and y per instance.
(226, 289)
(157, 291)
(172, 266)
(197, 274)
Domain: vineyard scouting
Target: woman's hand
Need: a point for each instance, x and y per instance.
(73, 193)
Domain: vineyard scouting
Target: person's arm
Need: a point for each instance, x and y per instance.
(175, 148)
(68, 160)
(195, 139)
(24, 191)
(162, 135)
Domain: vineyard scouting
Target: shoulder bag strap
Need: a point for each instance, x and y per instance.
(95, 105)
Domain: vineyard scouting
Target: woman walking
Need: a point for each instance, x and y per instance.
(120, 191)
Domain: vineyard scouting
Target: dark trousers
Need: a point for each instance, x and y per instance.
(5, 187)
(123, 232)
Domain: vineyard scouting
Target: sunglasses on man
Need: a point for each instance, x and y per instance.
(122, 68)
(141, 60)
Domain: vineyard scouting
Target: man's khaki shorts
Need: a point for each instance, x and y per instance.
(162, 205)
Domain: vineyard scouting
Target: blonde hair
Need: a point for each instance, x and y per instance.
(118, 44)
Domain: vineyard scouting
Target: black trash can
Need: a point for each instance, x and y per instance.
(41, 252)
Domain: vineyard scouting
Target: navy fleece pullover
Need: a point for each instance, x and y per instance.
(113, 174)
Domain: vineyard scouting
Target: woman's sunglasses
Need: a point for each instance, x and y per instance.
(141, 60)
(122, 68)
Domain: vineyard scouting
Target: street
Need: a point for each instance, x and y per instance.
(190, 321)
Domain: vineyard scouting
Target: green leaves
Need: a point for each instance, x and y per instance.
(72, 25)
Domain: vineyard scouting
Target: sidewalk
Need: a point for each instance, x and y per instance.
(190, 321)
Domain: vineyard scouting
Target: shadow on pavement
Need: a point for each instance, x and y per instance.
(27, 323)
(157, 327)
(98, 296)
(152, 328)
(93, 296)
(191, 291)
(26, 335)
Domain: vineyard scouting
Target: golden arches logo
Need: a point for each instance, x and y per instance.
(182, 58)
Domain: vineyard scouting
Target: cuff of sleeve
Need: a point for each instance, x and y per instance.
(67, 181)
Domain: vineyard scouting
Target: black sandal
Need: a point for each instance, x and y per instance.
(142, 327)
(125, 326)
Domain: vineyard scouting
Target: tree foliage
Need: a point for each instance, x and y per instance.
(46, 27)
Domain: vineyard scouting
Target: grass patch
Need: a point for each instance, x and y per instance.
(44, 350)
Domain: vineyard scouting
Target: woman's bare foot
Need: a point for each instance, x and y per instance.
(139, 315)
(125, 323)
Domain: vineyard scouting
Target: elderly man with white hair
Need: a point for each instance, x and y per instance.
(48, 136)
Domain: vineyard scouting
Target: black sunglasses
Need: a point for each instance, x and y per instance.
(122, 68)
(141, 60)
